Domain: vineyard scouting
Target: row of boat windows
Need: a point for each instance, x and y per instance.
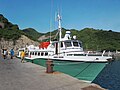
(46, 54)
(84, 55)
(76, 54)
(69, 44)
(39, 53)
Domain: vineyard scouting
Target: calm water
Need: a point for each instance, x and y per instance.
(109, 78)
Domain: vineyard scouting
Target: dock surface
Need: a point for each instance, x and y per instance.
(15, 75)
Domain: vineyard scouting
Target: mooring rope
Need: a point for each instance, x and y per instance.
(83, 70)
(68, 63)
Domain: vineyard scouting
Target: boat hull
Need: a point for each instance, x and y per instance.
(75, 58)
(87, 71)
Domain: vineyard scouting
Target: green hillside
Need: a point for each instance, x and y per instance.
(32, 33)
(93, 39)
(10, 31)
(99, 39)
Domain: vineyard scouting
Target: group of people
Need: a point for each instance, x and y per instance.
(5, 53)
(11, 53)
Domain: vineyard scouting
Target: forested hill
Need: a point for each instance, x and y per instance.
(99, 39)
(10, 31)
(32, 33)
(12, 37)
(93, 39)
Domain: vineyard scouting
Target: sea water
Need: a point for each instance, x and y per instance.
(109, 77)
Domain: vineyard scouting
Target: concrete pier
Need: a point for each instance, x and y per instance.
(15, 75)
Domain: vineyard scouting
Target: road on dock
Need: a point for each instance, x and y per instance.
(15, 75)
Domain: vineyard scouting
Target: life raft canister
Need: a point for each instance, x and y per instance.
(44, 45)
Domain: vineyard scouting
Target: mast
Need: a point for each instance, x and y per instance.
(59, 25)
(59, 29)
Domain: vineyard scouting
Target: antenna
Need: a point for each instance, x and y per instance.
(51, 8)
(59, 25)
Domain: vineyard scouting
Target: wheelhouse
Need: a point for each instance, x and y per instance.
(68, 43)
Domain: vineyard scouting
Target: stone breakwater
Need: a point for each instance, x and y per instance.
(20, 43)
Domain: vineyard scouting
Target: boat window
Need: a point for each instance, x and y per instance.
(42, 53)
(38, 53)
(32, 53)
(79, 54)
(68, 44)
(61, 44)
(35, 53)
(80, 44)
(75, 44)
(26, 53)
(46, 53)
(69, 54)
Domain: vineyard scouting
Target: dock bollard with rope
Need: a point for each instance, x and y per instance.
(49, 66)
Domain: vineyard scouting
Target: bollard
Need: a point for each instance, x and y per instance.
(49, 68)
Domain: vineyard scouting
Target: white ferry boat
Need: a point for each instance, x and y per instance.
(67, 49)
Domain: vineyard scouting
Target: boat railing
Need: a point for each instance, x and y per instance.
(87, 53)
(103, 53)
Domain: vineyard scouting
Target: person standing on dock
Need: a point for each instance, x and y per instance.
(11, 53)
(22, 56)
(4, 53)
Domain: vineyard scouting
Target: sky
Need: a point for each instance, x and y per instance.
(76, 14)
